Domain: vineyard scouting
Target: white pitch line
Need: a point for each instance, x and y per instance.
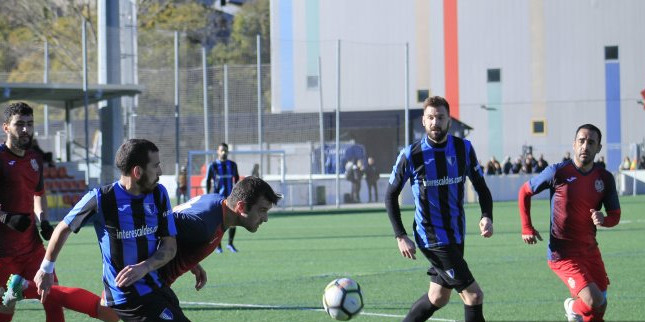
(265, 306)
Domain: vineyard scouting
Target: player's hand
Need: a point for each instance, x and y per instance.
(44, 282)
(15, 221)
(46, 229)
(532, 238)
(486, 227)
(406, 247)
(598, 217)
(130, 274)
(200, 276)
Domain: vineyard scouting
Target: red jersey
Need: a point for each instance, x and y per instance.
(573, 195)
(21, 178)
(200, 227)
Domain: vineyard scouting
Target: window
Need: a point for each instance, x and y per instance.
(494, 75)
(312, 82)
(422, 94)
(611, 53)
(538, 127)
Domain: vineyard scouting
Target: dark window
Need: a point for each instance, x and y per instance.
(494, 75)
(422, 94)
(538, 127)
(312, 81)
(611, 53)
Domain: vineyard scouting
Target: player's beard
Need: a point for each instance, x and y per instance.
(438, 137)
(23, 142)
(144, 185)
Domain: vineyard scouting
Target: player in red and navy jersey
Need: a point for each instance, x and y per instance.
(202, 221)
(579, 189)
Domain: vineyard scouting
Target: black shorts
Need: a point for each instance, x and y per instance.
(160, 305)
(448, 267)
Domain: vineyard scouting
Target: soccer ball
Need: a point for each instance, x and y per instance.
(343, 299)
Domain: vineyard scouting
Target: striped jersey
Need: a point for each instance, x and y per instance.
(437, 175)
(200, 227)
(20, 179)
(225, 175)
(129, 229)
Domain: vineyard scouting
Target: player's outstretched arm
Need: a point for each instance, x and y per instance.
(200, 276)
(44, 278)
(132, 273)
(529, 234)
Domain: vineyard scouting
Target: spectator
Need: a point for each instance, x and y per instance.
(633, 165)
(356, 183)
(498, 168)
(182, 190)
(490, 167)
(567, 156)
(626, 164)
(256, 170)
(350, 167)
(641, 164)
(517, 166)
(507, 165)
(601, 162)
(540, 165)
(527, 167)
(371, 178)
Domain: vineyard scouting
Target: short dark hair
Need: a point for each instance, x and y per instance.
(17, 108)
(223, 144)
(590, 127)
(132, 153)
(250, 189)
(436, 101)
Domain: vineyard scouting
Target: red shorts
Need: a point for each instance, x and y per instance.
(578, 272)
(23, 265)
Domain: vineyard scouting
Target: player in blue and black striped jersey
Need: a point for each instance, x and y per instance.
(224, 173)
(437, 167)
(136, 233)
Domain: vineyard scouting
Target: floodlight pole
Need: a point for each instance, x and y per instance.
(205, 98)
(85, 104)
(407, 94)
(177, 112)
(259, 72)
(338, 125)
(225, 103)
(320, 118)
(46, 80)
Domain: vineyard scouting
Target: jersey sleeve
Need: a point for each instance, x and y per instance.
(82, 211)
(610, 202)
(400, 174)
(166, 217)
(543, 180)
(476, 176)
(210, 174)
(236, 175)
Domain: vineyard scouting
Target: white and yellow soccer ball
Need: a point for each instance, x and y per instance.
(343, 299)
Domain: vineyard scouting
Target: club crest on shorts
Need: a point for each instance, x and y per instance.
(599, 185)
(166, 314)
(451, 273)
(34, 165)
(572, 282)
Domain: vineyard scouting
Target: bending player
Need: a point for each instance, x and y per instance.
(578, 190)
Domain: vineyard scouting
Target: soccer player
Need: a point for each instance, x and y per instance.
(136, 233)
(202, 220)
(22, 202)
(437, 167)
(578, 190)
(224, 173)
